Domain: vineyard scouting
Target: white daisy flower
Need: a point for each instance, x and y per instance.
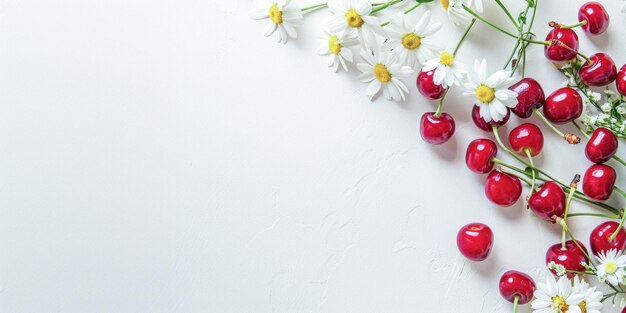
(611, 267)
(336, 46)
(558, 268)
(355, 14)
(412, 43)
(281, 16)
(592, 298)
(456, 13)
(491, 91)
(556, 297)
(478, 5)
(448, 71)
(383, 72)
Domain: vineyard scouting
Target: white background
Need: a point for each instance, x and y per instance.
(163, 156)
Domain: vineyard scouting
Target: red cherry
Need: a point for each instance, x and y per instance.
(548, 202)
(479, 154)
(602, 145)
(600, 72)
(620, 83)
(529, 95)
(563, 105)
(427, 86)
(502, 189)
(599, 240)
(517, 284)
(570, 258)
(482, 124)
(526, 136)
(556, 52)
(436, 130)
(475, 241)
(596, 16)
(598, 182)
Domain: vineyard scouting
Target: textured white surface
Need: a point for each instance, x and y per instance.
(163, 156)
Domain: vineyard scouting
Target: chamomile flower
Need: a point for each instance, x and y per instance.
(558, 268)
(592, 298)
(456, 14)
(556, 297)
(412, 43)
(337, 47)
(448, 71)
(611, 267)
(383, 72)
(355, 15)
(491, 91)
(283, 19)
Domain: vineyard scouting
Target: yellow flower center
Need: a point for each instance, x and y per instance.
(276, 15)
(559, 303)
(354, 19)
(446, 58)
(382, 73)
(411, 41)
(610, 267)
(445, 4)
(485, 94)
(333, 46)
(583, 306)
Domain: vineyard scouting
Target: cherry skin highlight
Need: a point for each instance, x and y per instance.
(475, 241)
(563, 105)
(524, 137)
(596, 16)
(602, 145)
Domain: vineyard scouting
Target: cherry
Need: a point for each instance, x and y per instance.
(427, 86)
(548, 202)
(565, 36)
(502, 189)
(526, 136)
(602, 145)
(570, 257)
(529, 95)
(600, 241)
(596, 16)
(484, 125)
(563, 105)
(479, 154)
(620, 83)
(475, 240)
(600, 72)
(598, 182)
(436, 130)
(517, 284)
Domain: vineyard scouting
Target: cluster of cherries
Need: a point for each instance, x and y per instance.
(562, 106)
(549, 201)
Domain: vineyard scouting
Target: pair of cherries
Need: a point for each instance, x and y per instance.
(599, 179)
(475, 241)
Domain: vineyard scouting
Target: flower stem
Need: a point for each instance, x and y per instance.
(314, 7)
(482, 19)
(506, 11)
(384, 6)
(458, 45)
(440, 106)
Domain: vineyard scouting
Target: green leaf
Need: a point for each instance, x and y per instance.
(531, 3)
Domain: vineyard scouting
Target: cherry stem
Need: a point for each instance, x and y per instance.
(611, 216)
(534, 173)
(558, 42)
(314, 7)
(567, 230)
(569, 137)
(572, 189)
(515, 300)
(621, 224)
(574, 25)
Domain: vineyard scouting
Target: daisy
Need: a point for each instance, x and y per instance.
(611, 267)
(336, 47)
(281, 16)
(383, 72)
(412, 44)
(354, 14)
(556, 297)
(491, 91)
(448, 71)
(457, 15)
(592, 299)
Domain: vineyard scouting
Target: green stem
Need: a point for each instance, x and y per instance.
(506, 11)
(440, 106)
(515, 301)
(620, 191)
(567, 230)
(534, 173)
(458, 45)
(314, 7)
(611, 216)
(571, 193)
(384, 6)
(545, 120)
(584, 22)
(488, 22)
(621, 224)
(494, 128)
